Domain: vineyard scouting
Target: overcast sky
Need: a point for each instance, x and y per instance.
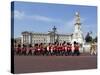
(41, 17)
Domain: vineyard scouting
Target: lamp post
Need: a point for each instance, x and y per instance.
(54, 31)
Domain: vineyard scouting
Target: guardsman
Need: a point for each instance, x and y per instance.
(30, 51)
(39, 50)
(76, 49)
(24, 49)
(69, 49)
(49, 49)
(63, 49)
(18, 50)
(55, 49)
(33, 50)
(43, 49)
(60, 49)
(52, 49)
(66, 50)
(36, 49)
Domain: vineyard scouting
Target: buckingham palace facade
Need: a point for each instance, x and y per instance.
(51, 37)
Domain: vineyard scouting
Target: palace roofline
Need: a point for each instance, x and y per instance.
(40, 33)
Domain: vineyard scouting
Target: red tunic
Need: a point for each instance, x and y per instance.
(59, 48)
(76, 48)
(23, 49)
(39, 48)
(49, 47)
(69, 48)
(30, 48)
(56, 48)
(66, 48)
(63, 48)
(36, 48)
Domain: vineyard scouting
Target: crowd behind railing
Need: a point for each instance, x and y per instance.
(51, 49)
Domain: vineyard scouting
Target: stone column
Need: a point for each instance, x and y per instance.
(21, 39)
(29, 39)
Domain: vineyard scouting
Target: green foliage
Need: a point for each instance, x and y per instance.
(95, 39)
(88, 38)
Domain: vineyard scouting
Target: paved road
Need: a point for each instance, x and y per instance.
(26, 64)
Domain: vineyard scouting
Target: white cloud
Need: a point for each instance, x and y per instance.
(20, 15)
(41, 18)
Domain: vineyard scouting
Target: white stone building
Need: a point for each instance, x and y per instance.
(32, 38)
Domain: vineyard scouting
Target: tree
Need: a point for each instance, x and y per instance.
(88, 38)
(95, 39)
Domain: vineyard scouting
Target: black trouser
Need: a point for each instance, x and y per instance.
(76, 52)
(62, 52)
(54, 52)
(30, 52)
(18, 52)
(24, 52)
(69, 52)
(66, 53)
(35, 52)
(49, 52)
(57, 52)
(40, 52)
(45, 52)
